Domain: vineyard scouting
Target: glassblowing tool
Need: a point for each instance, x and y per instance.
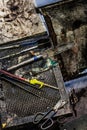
(26, 43)
(23, 51)
(32, 81)
(14, 83)
(35, 58)
(16, 78)
(35, 81)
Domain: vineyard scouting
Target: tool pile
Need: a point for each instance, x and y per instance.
(29, 77)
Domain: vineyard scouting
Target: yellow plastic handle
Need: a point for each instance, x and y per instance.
(35, 81)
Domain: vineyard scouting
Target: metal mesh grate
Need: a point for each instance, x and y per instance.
(23, 104)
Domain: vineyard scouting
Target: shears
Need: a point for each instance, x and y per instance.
(40, 117)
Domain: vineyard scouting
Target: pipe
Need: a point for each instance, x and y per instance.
(77, 84)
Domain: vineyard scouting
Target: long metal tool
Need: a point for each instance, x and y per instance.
(23, 51)
(22, 45)
(32, 82)
(18, 53)
(14, 83)
(17, 78)
(35, 81)
(17, 46)
(35, 58)
(22, 82)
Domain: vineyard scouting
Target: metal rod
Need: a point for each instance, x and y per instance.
(15, 54)
(23, 51)
(11, 75)
(12, 82)
(50, 86)
(18, 79)
(35, 58)
(23, 80)
(21, 45)
(18, 45)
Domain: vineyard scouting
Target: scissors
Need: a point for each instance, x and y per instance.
(40, 117)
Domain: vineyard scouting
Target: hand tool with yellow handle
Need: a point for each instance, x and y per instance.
(32, 81)
(35, 81)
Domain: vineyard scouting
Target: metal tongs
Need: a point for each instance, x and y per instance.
(40, 117)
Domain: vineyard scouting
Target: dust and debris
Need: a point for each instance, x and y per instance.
(18, 19)
(69, 22)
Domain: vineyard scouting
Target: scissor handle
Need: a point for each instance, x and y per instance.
(41, 116)
(47, 124)
(38, 117)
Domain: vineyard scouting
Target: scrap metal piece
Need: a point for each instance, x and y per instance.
(64, 48)
(44, 3)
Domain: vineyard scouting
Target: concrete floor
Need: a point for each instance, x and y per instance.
(77, 124)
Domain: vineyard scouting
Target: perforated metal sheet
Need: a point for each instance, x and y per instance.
(24, 104)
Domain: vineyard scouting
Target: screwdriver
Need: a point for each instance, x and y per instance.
(32, 81)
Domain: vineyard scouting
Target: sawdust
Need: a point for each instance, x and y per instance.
(18, 19)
